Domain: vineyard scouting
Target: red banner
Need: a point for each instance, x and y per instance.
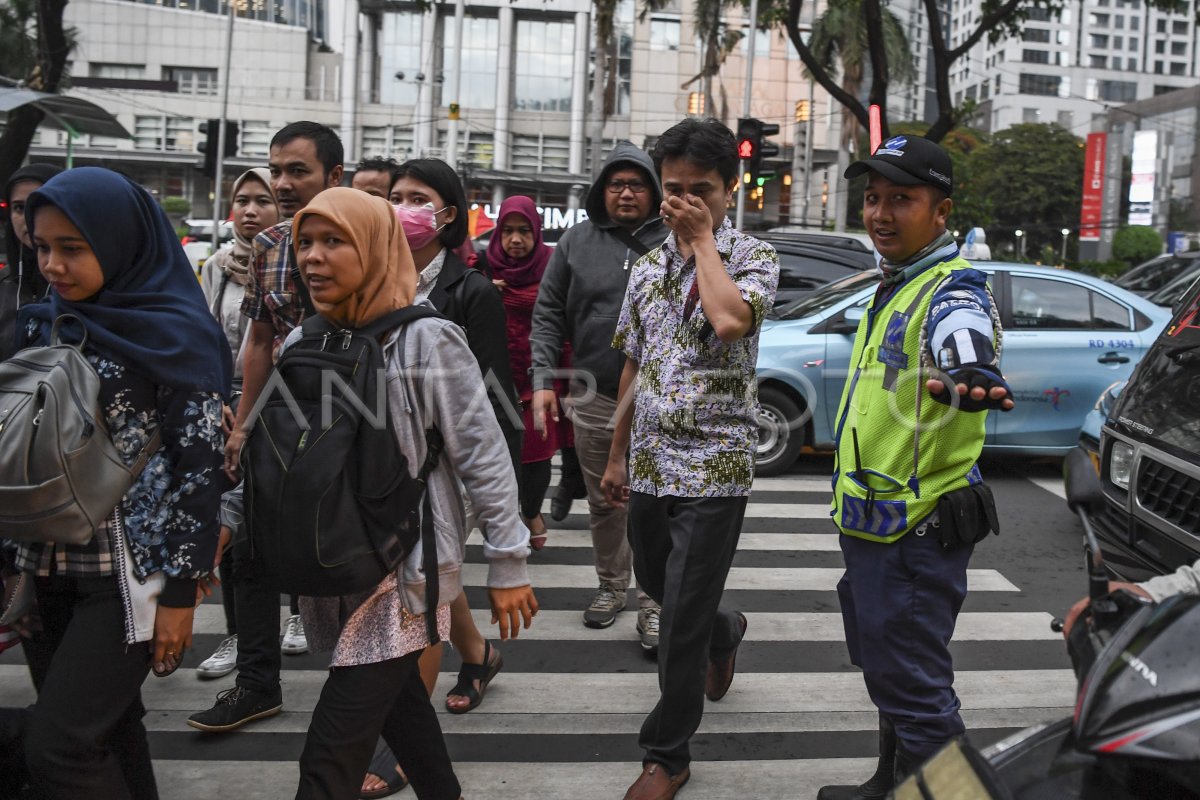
(1091, 212)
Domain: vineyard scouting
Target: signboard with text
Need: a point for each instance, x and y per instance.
(1141, 184)
(1092, 210)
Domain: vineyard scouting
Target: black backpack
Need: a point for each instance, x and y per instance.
(331, 506)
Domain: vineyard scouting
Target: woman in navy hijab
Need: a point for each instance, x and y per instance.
(122, 604)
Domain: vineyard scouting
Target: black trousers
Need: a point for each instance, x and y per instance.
(535, 480)
(359, 703)
(84, 737)
(682, 550)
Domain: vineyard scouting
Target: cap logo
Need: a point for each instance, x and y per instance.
(940, 177)
(892, 147)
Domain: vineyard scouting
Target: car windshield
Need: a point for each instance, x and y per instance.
(828, 296)
(1164, 401)
(1168, 295)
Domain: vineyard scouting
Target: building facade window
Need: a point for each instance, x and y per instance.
(1047, 85)
(1099, 41)
(256, 138)
(1098, 62)
(192, 80)
(123, 72)
(1098, 20)
(1029, 115)
(1178, 68)
(1179, 48)
(545, 54)
(477, 85)
(1180, 27)
(664, 34)
(1065, 119)
(1035, 56)
(1035, 35)
(401, 70)
(1118, 91)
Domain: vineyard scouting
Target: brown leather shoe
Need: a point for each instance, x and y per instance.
(656, 784)
(720, 673)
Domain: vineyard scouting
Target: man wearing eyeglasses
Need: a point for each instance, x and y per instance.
(579, 302)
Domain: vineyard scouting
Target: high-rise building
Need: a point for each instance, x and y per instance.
(1071, 68)
(381, 73)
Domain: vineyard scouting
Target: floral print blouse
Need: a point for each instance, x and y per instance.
(170, 512)
(695, 429)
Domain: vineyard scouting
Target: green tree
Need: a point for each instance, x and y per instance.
(840, 44)
(1030, 177)
(34, 46)
(1134, 244)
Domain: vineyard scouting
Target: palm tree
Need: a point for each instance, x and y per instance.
(840, 35)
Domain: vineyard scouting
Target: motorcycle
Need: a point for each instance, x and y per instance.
(1135, 732)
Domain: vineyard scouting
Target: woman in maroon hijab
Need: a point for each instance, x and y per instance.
(516, 259)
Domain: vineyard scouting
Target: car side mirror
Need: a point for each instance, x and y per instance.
(847, 321)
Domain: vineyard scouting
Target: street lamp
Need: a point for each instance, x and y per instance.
(1065, 233)
(1020, 234)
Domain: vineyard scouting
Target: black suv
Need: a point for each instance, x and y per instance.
(807, 263)
(1150, 456)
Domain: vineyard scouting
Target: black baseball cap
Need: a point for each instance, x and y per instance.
(909, 161)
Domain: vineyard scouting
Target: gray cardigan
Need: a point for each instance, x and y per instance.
(429, 385)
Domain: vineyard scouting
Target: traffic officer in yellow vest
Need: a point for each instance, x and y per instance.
(908, 496)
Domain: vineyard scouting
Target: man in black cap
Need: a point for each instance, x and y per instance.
(908, 497)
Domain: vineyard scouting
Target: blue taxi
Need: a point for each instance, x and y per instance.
(1067, 337)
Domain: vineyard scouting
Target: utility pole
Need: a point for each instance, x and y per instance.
(808, 138)
(218, 176)
(741, 198)
(455, 82)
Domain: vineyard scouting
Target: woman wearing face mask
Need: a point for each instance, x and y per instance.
(20, 281)
(354, 261)
(122, 604)
(223, 280)
(432, 208)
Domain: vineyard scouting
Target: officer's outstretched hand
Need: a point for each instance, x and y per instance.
(979, 388)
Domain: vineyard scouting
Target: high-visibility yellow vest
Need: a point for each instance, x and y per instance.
(898, 449)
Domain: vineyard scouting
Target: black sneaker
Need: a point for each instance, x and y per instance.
(235, 707)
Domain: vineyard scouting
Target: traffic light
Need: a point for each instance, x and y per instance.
(210, 130)
(753, 147)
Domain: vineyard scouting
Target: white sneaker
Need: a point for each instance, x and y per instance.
(294, 640)
(222, 662)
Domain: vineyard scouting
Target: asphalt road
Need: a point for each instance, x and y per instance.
(561, 720)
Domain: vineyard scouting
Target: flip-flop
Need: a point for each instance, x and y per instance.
(469, 673)
(383, 766)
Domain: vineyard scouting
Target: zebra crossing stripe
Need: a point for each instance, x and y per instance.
(820, 579)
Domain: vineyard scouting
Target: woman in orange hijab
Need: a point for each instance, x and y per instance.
(355, 261)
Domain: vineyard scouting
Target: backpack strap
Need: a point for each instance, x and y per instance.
(629, 240)
(434, 445)
(301, 289)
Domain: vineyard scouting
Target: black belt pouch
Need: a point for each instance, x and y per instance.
(967, 516)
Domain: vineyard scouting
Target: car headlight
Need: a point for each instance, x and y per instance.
(1120, 464)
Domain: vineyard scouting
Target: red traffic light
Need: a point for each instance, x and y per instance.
(745, 149)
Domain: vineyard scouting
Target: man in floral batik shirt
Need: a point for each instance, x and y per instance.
(689, 328)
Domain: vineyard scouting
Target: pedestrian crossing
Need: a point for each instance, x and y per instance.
(561, 719)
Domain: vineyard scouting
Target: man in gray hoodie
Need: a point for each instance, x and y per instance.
(579, 302)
